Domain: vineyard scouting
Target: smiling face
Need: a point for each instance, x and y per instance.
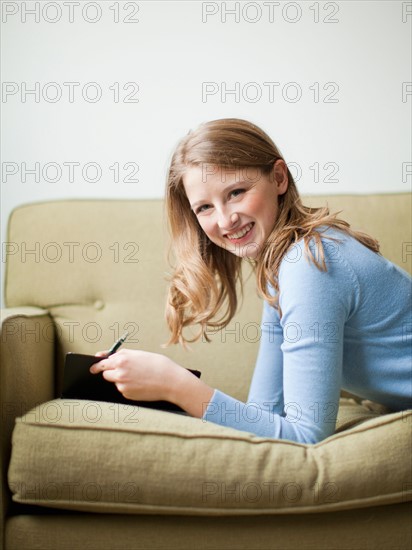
(237, 209)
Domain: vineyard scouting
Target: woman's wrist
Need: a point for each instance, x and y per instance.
(187, 391)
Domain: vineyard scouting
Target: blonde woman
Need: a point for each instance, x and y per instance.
(231, 198)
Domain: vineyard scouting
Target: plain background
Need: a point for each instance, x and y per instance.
(116, 84)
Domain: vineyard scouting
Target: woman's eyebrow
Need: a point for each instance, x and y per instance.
(193, 206)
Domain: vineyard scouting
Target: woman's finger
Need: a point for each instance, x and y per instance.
(109, 375)
(101, 366)
(101, 353)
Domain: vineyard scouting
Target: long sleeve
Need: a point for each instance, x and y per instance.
(266, 388)
(295, 389)
(265, 400)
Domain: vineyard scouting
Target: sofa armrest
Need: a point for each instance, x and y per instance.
(26, 376)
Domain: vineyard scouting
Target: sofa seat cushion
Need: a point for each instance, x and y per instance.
(110, 458)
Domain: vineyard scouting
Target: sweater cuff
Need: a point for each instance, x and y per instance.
(224, 410)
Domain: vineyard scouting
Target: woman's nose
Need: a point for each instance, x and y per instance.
(227, 220)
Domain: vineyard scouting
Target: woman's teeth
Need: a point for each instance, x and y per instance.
(240, 233)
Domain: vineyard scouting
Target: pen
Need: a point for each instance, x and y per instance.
(117, 344)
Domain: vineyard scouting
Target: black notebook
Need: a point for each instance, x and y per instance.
(80, 383)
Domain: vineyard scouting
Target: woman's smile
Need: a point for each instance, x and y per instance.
(242, 234)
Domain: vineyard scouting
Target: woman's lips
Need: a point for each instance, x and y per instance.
(248, 227)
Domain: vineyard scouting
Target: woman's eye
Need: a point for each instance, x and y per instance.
(202, 208)
(237, 192)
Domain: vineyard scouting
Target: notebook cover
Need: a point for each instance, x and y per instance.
(80, 383)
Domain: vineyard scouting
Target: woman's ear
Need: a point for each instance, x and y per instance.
(280, 173)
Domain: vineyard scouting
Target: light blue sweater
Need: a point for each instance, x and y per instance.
(349, 327)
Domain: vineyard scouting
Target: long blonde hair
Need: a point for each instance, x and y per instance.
(205, 275)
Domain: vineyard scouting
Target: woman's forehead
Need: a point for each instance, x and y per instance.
(215, 174)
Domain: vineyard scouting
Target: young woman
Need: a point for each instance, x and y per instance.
(230, 197)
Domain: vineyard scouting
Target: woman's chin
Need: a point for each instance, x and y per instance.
(249, 250)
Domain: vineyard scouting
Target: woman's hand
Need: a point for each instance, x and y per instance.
(139, 375)
(144, 376)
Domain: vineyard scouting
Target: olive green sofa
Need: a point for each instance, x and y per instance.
(94, 475)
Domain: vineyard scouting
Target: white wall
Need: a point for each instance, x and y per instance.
(348, 132)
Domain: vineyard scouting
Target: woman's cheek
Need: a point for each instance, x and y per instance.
(253, 204)
(207, 226)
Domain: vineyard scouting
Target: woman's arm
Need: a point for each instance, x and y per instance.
(189, 392)
(266, 387)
